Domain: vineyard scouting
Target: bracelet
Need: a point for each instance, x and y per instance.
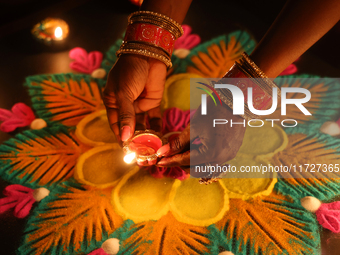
(140, 16)
(147, 47)
(264, 83)
(144, 50)
(160, 23)
(250, 75)
(151, 34)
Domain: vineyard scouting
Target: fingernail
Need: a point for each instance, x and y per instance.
(161, 162)
(126, 133)
(163, 150)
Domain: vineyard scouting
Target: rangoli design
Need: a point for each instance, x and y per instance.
(93, 196)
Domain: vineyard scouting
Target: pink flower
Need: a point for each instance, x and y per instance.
(170, 172)
(338, 122)
(137, 2)
(20, 116)
(328, 216)
(291, 69)
(187, 40)
(85, 62)
(175, 119)
(99, 251)
(18, 197)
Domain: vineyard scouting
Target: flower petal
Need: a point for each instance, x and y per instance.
(95, 130)
(198, 204)
(167, 236)
(215, 57)
(36, 158)
(64, 98)
(102, 166)
(247, 187)
(73, 219)
(324, 103)
(141, 197)
(264, 141)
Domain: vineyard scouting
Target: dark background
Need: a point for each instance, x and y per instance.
(96, 24)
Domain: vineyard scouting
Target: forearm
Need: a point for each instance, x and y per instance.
(175, 9)
(300, 24)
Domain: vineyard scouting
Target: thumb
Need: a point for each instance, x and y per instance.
(126, 118)
(176, 145)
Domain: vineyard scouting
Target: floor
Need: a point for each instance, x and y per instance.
(95, 25)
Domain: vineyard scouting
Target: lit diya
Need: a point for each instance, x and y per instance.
(51, 29)
(142, 147)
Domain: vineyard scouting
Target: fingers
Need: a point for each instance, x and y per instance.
(190, 158)
(155, 119)
(176, 145)
(140, 121)
(126, 117)
(201, 155)
(112, 115)
(182, 159)
(122, 119)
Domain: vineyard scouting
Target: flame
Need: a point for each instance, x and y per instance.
(129, 158)
(58, 33)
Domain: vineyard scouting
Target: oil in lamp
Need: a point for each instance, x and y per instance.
(142, 147)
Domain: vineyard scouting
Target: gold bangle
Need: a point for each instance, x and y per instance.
(259, 77)
(256, 75)
(144, 46)
(140, 50)
(147, 46)
(247, 62)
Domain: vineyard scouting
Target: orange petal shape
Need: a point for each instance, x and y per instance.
(218, 60)
(64, 98)
(168, 236)
(41, 156)
(72, 219)
(310, 159)
(324, 100)
(268, 226)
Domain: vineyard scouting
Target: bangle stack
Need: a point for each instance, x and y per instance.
(249, 75)
(152, 35)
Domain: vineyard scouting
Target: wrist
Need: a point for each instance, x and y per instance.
(246, 75)
(174, 9)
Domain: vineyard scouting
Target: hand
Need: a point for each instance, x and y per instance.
(134, 86)
(218, 144)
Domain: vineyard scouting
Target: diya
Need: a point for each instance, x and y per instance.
(142, 147)
(51, 29)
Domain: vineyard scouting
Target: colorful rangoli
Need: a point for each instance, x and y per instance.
(95, 197)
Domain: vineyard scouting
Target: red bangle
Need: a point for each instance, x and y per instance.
(150, 34)
(261, 100)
